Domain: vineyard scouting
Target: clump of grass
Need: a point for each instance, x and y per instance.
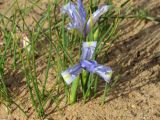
(4, 96)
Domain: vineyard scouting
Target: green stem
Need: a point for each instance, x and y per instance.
(84, 81)
(95, 86)
(73, 94)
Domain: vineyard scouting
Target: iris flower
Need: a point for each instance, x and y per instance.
(78, 17)
(87, 64)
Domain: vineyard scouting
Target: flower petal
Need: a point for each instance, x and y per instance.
(104, 72)
(88, 49)
(71, 74)
(89, 65)
(93, 67)
(81, 10)
(95, 16)
(75, 16)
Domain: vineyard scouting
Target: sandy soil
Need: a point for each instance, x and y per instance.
(136, 57)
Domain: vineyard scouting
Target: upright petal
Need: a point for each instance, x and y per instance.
(71, 74)
(88, 49)
(95, 17)
(75, 16)
(81, 10)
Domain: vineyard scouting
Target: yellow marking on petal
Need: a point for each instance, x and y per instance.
(67, 76)
(109, 74)
(89, 43)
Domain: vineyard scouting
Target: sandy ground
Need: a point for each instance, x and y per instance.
(136, 57)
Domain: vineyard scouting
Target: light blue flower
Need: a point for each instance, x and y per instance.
(87, 64)
(78, 18)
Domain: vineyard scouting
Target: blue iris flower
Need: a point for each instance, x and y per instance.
(87, 64)
(78, 18)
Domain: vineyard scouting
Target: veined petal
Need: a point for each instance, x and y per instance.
(88, 49)
(68, 9)
(75, 16)
(71, 74)
(104, 72)
(81, 10)
(93, 67)
(95, 17)
(89, 65)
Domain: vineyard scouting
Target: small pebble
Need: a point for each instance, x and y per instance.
(133, 106)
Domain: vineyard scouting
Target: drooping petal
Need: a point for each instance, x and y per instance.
(104, 72)
(81, 10)
(89, 65)
(71, 74)
(93, 67)
(75, 16)
(88, 49)
(95, 17)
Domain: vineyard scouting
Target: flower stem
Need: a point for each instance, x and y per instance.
(73, 94)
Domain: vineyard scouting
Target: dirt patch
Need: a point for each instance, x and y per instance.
(136, 58)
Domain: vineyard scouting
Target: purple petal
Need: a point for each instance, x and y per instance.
(89, 66)
(75, 16)
(88, 49)
(71, 74)
(81, 10)
(95, 16)
(104, 72)
(92, 67)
